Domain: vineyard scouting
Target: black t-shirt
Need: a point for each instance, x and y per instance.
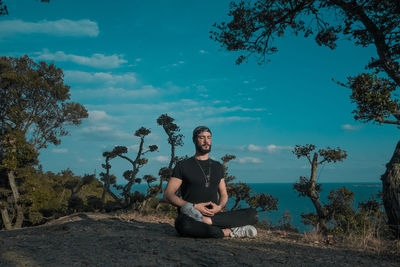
(193, 188)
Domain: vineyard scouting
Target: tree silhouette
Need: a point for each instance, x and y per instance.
(3, 9)
(130, 175)
(174, 139)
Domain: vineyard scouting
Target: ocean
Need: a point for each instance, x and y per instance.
(288, 199)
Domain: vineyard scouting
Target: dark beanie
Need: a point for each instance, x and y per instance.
(198, 130)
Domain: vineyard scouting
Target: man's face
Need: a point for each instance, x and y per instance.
(203, 143)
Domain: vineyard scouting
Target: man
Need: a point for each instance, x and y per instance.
(204, 195)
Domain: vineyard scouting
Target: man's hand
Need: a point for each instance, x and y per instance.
(215, 208)
(204, 210)
(208, 208)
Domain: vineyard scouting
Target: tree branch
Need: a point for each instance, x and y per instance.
(354, 10)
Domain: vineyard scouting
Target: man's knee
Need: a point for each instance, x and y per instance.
(183, 225)
(189, 227)
(253, 215)
(207, 220)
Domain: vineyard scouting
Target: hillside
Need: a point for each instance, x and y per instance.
(88, 239)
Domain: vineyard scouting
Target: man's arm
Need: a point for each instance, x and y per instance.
(169, 193)
(223, 198)
(223, 194)
(170, 196)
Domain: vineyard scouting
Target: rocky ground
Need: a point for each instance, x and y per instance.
(87, 239)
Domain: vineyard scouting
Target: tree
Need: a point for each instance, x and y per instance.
(255, 25)
(3, 9)
(34, 111)
(130, 175)
(174, 139)
(391, 185)
(308, 187)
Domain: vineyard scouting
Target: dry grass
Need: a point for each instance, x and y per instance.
(369, 241)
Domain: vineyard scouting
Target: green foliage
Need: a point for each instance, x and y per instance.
(15, 152)
(94, 203)
(254, 25)
(34, 111)
(304, 186)
(373, 96)
(45, 196)
(34, 101)
(264, 202)
(75, 204)
(344, 219)
(240, 191)
(340, 210)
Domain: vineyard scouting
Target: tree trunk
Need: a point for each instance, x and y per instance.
(103, 196)
(315, 197)
(6, 219)
(391, 192)
(20, 214)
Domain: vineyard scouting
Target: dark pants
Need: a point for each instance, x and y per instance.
(187, 226)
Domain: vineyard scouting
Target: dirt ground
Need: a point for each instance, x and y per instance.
(87, 239)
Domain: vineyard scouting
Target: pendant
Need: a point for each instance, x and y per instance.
(208, 180)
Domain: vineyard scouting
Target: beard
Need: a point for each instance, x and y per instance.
(200, 150)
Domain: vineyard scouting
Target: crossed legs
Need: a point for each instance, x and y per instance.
(217, 226)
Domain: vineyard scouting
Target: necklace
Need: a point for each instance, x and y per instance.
(206, 177)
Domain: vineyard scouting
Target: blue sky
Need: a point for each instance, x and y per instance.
(128, 62)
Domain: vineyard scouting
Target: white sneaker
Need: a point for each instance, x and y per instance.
(244, 231)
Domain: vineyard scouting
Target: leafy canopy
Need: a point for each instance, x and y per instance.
(254, 26)
(34, 101)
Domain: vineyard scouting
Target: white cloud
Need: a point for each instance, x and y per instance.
(95, 60)
(98, 115)
(209, 110)
(98, 128)
(99, 77)
(249, 160)
(102, 132)
(269, 148)
(119, 93)
(62, 27)
(162, 159)
(202, 51)
(59, 150)
(252, 147)
(350, 127)
(230, 119)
